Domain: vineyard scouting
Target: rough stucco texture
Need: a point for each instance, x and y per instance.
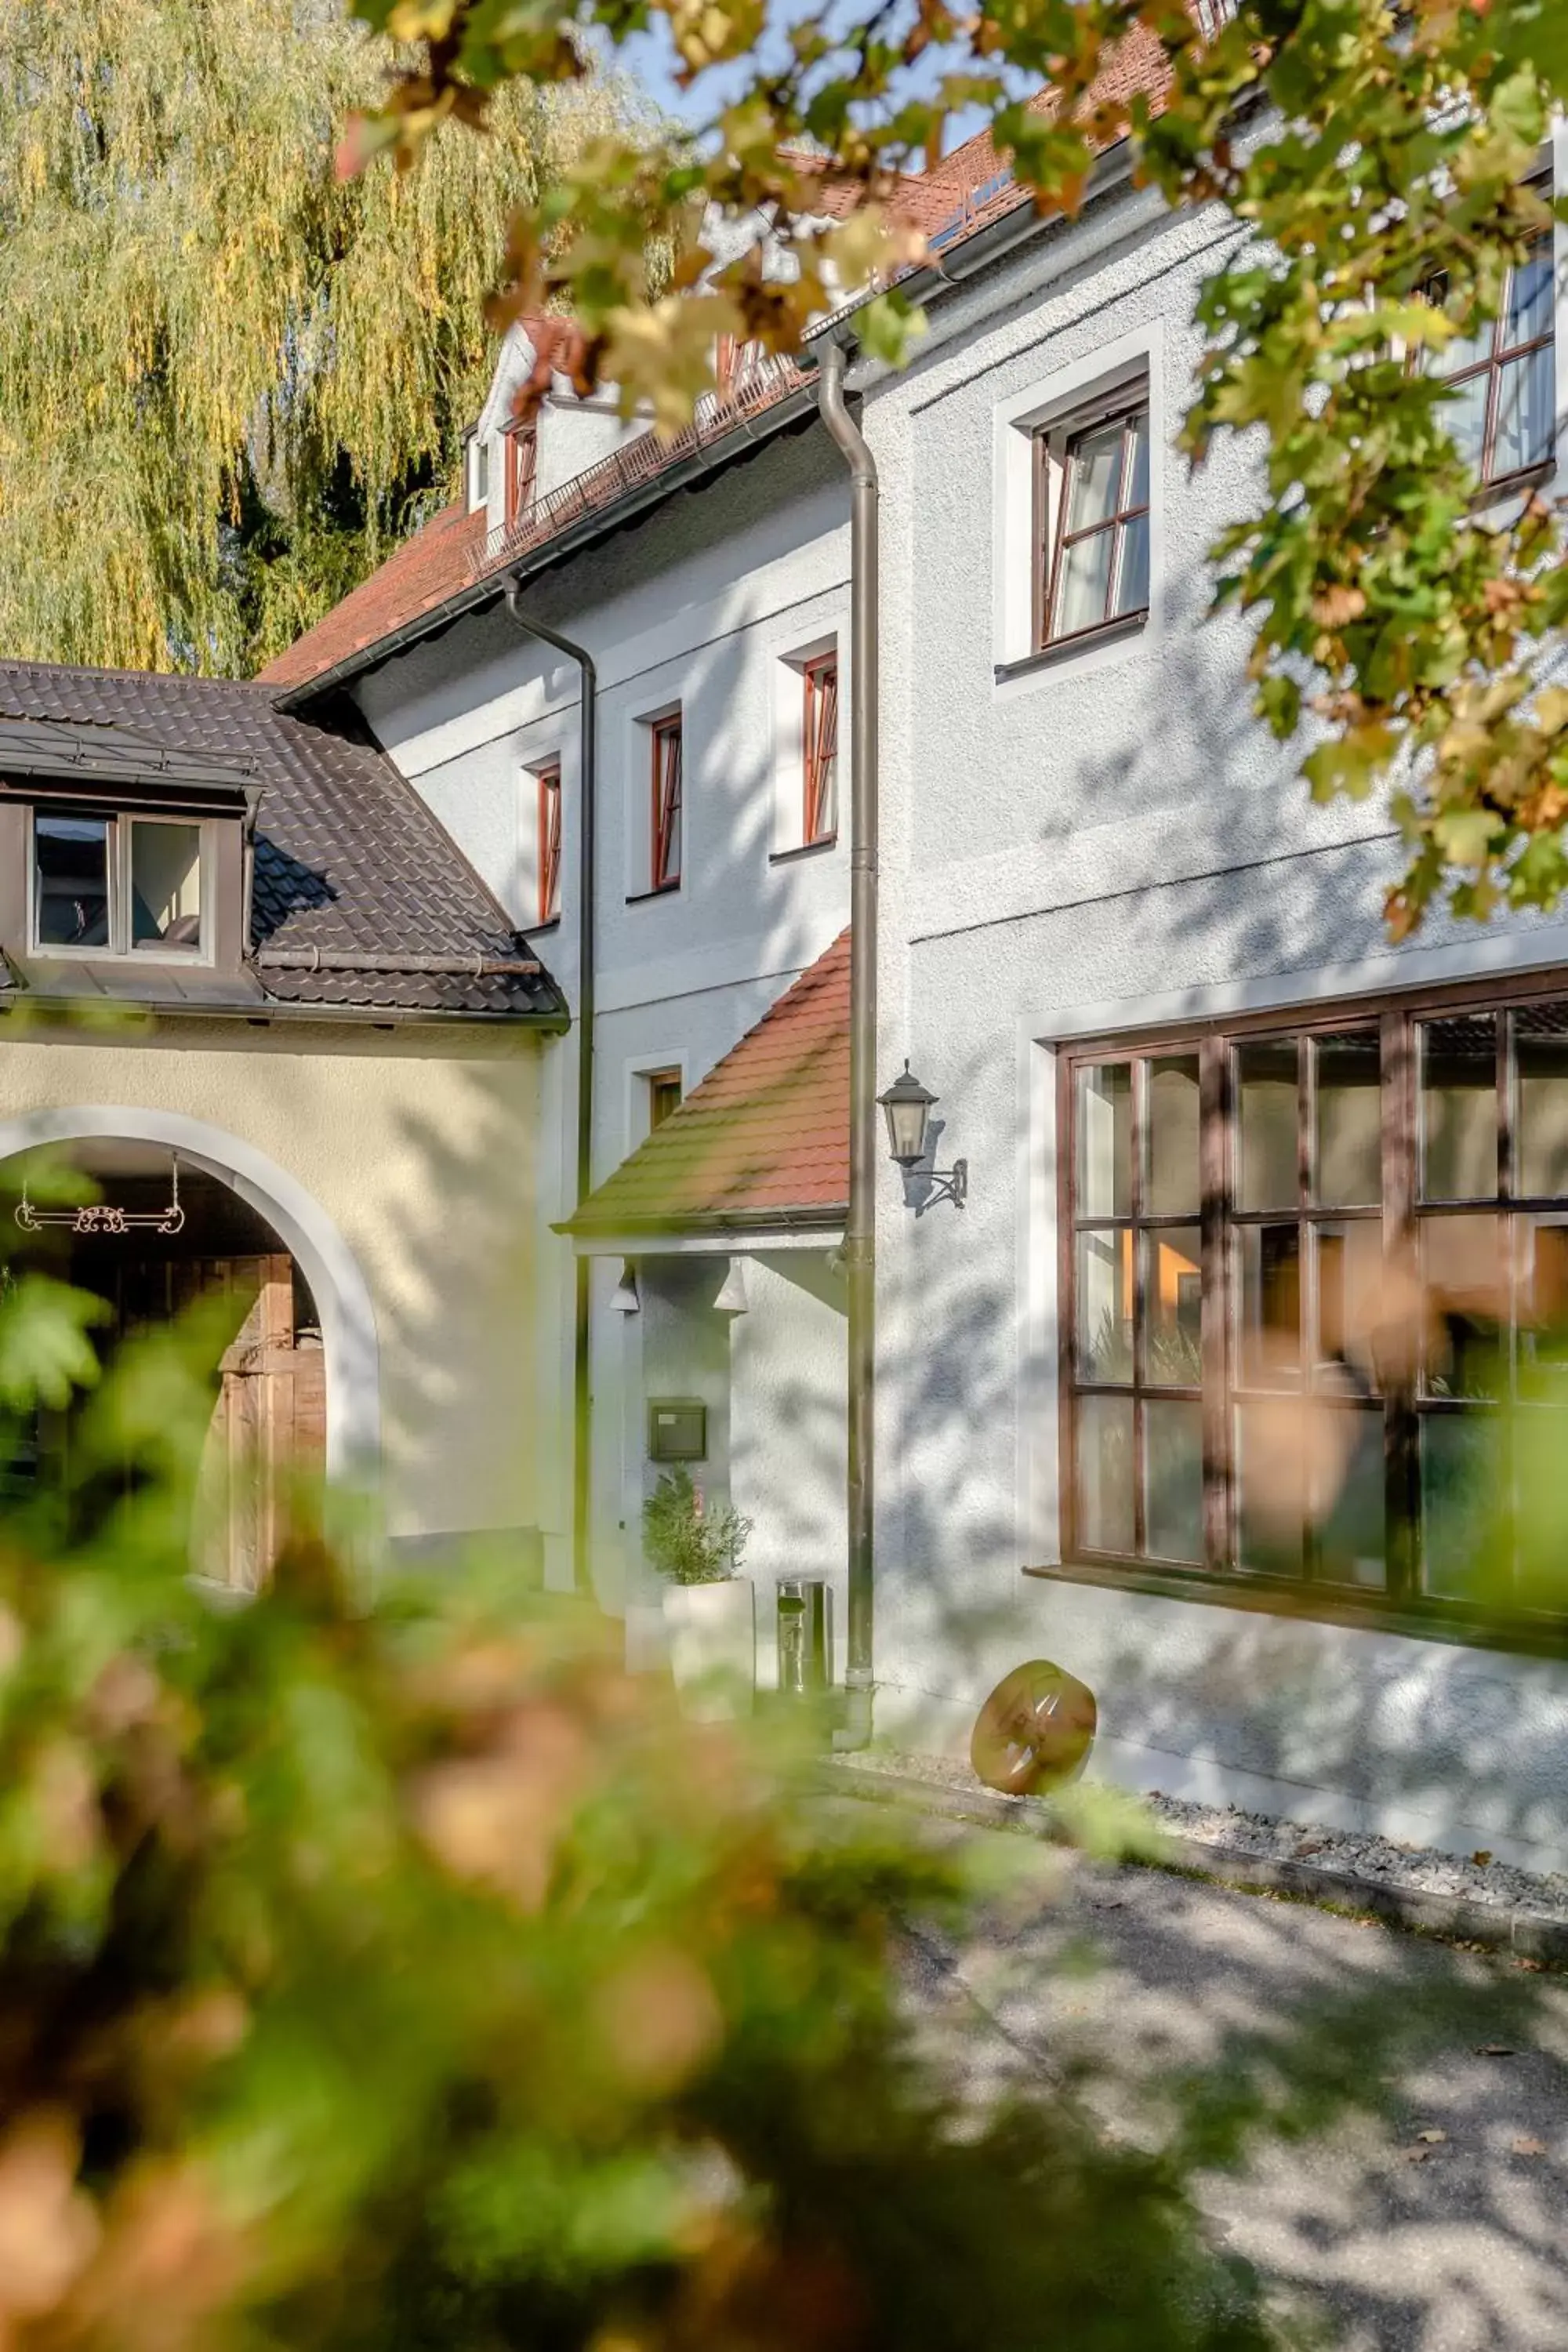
(423, 1157)
(1064, 850)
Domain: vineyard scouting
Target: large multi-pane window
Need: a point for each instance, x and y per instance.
(1503, 377)
(1316, 1281)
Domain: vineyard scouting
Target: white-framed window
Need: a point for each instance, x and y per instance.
(110, 883)
(654, 1082)
(1077, 517)
(479, 463)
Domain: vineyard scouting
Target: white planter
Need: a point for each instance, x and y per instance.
(712, 1647)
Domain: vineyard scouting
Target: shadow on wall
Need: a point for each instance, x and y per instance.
(1463, 1746)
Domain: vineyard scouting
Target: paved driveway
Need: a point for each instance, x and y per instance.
(1422, 2201)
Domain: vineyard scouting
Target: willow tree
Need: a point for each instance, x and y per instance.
(229, 379)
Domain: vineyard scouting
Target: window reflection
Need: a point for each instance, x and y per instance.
(1266, 1077)
(1104, 1119)
(1173, 1291)
(1459, 1108)
(1271, 1307)
(71, 881)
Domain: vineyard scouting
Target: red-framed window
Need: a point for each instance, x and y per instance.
(1504, 377)
(665, 826)
(821, 750)
(522, 449)
(1091, 521)
(549, 842)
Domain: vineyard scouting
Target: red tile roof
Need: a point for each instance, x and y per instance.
(423, 573)
(961, 194)
(767, 1131)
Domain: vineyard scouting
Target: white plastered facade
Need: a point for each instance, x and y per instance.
(1096, 843)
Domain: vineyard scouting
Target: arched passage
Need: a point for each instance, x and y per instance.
(341, 1296)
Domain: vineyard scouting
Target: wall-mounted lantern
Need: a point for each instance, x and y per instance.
(908, 1107)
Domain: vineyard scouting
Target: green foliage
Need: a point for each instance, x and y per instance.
(405, 1978)
(229, 380)
(1364, 153)
(688, 1542)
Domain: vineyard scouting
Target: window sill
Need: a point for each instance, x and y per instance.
(1522, 485)
(803, 849)
(662, 890)
(1318, 1604)
(137, 959)
(1061, 649)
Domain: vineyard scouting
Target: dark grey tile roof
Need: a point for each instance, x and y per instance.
(348, 858)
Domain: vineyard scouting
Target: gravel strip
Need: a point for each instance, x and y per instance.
(1377, 1862)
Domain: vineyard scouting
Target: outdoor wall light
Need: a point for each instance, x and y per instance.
(908, 1105)
(732, 1299)
(623, 1299)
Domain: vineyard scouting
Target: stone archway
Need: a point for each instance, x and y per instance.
(341, 1296)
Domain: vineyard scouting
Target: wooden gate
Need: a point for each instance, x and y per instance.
(266, 1447)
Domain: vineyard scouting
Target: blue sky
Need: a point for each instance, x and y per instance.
(649, 58)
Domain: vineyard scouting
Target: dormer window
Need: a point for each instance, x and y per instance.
(107, 884)
(479, 471)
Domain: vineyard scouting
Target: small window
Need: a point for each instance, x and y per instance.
(165, 886)
(665, 737)
(1091, 519)
(522, 447)
(821, 750)
(549, 781)
(664, 1095)
(1503, 377)
(117, 885)
(479, 472)
(71, 881)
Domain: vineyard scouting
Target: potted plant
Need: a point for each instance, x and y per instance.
(708, 1603)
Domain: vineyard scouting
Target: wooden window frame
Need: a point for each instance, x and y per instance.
(120, 947)
(1402, 1599)
(666, 801)
(1054, 446)
(1499, 357)
(521, 467)
(548, 779)
(661, 1085)
(819, 694)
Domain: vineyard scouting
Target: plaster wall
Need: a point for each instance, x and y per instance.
(419, 1147)
(1103, 840)
(703, 605)
(787, 1432)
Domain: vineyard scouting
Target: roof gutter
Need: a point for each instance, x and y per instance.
(861, 1224)
(793, 409)
(587, 796)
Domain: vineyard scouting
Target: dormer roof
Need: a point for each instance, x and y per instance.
(361, 901)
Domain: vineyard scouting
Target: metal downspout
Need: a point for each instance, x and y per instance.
(586, 795)
(860, 1228)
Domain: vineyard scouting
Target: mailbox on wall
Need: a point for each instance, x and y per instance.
(677, 1430)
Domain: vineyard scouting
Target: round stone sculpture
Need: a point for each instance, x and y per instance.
(1035, 1730)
